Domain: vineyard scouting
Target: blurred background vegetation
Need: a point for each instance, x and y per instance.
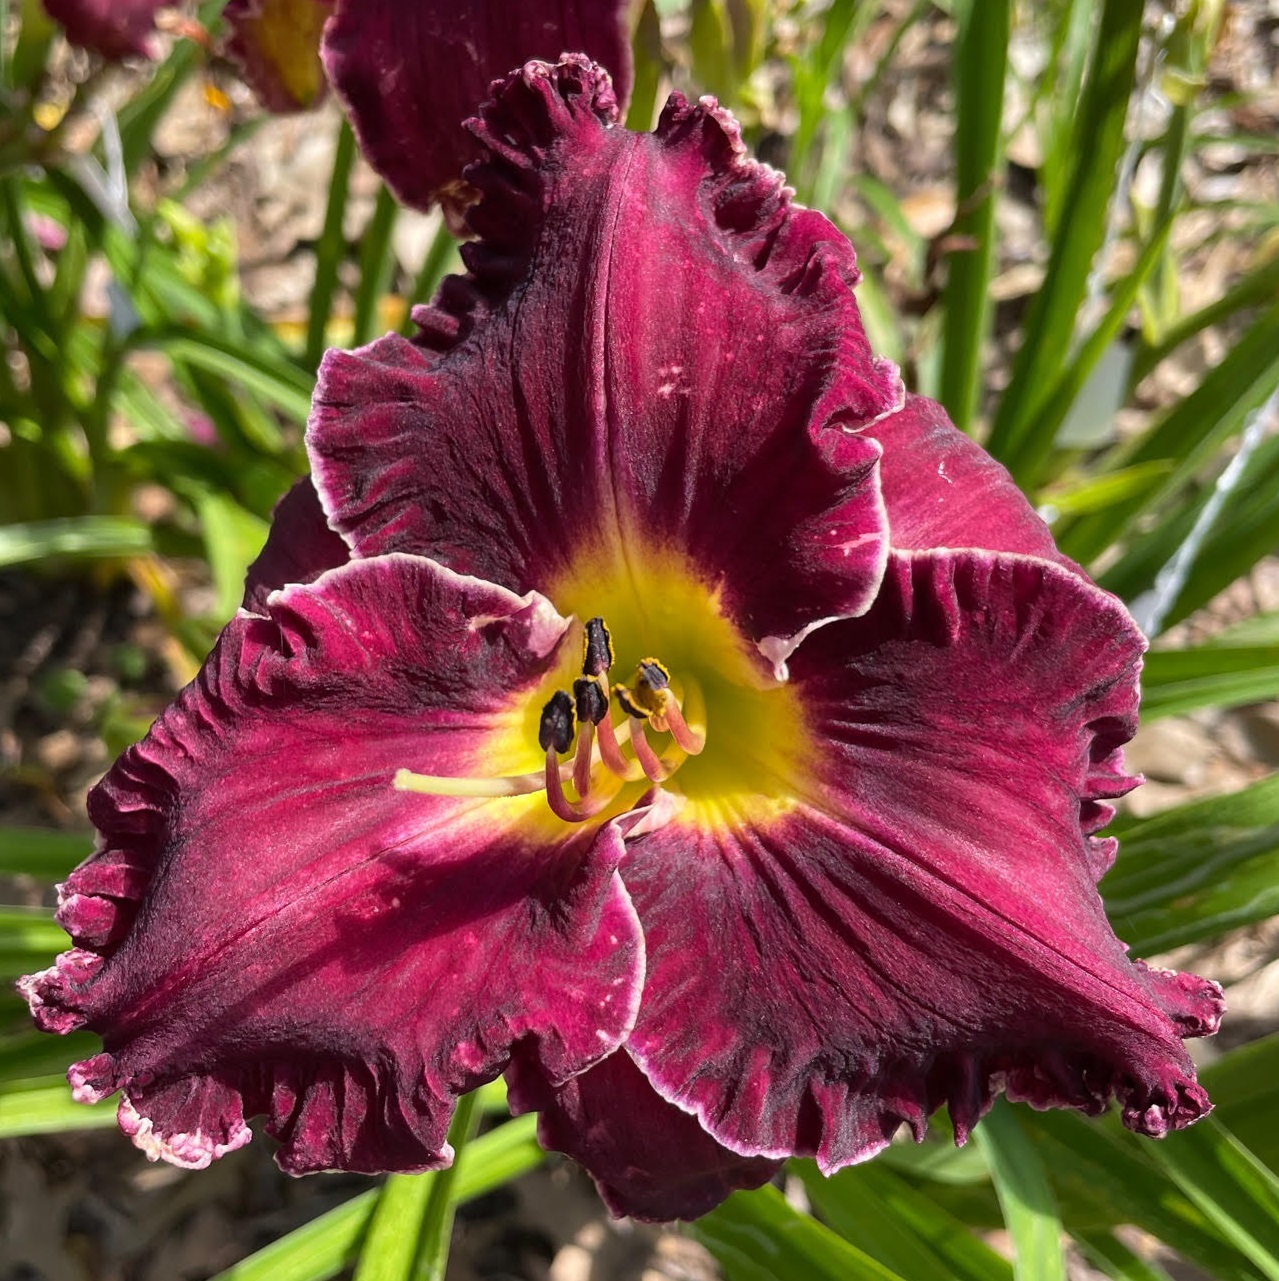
(1067, 213)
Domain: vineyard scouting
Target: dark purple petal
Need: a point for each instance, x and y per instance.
(924, 927)
(942, 489)
(268, 926)
(277, 46)
(299, 547)
(649, 1160)
(654, 354)
(113, 28)
(410, 71)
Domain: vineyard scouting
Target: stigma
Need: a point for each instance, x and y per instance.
(602, 757)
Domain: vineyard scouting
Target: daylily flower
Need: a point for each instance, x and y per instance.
(408, 71)
(277, 46)
(648, 700)
(112, 28)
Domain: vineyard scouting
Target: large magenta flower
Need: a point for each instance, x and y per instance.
(680, 718)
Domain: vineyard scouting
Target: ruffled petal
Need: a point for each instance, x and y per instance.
(277, 46)
(649, 1160)
(942, 489)
(299, 547)
(410, 71)
(268, 926)
(654, 352)
(924, 928)
(113, 28)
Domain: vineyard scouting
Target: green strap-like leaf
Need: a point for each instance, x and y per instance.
(1025, 1195)
(1244, 1087)
(1106, 1252)
(43, 1105)
(1244, 529)
(1188, 436)
(1194, 871)
(330, 249)
(1097, 143)
(325, 1246)
(377, 266)
(757, 1236)
(880, 1213)
(1103, 1177)
(390, 1248)
(1237, 1193)
(42, 852)
(981, 62)
(277, 382)
(1177, 681)
(74, 537)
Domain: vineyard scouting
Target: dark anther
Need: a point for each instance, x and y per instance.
(651, 678)
(629, 705)
(592, 705)
(597, 650)
(556, 728)
(653, 674)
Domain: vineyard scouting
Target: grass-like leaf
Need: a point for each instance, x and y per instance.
(1197, 870)
(1187, 437)
(377, 266)
(1233, 1189)
(981, 63)
(1096, 146)
(41, 851)
(1103, 1177)
(757, 1236)
(1025, 1196)
(74, 538)
(325, 1246)
(879, 1212)
(278, 383)
(44, 1105)
(1177, 681)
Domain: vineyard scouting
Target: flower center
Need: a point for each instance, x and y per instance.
(600, 765)
(681, 702)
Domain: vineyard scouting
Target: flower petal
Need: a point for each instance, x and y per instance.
(299, 547)
(943, 490)
(927, 928)
(654, 351)
(277, 45)
(269, 927)
(410, 71)
(649, 1160)
(113, 28)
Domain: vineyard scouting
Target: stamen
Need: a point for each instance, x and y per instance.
(571, 811)
(611, 752)
(654, 766)
(584, 759)
(692, 741)
(689, 732)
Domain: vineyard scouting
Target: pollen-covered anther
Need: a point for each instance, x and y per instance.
(591, 704)
(555, 730)
(597, 648)
(555, 736)
(652, 690)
